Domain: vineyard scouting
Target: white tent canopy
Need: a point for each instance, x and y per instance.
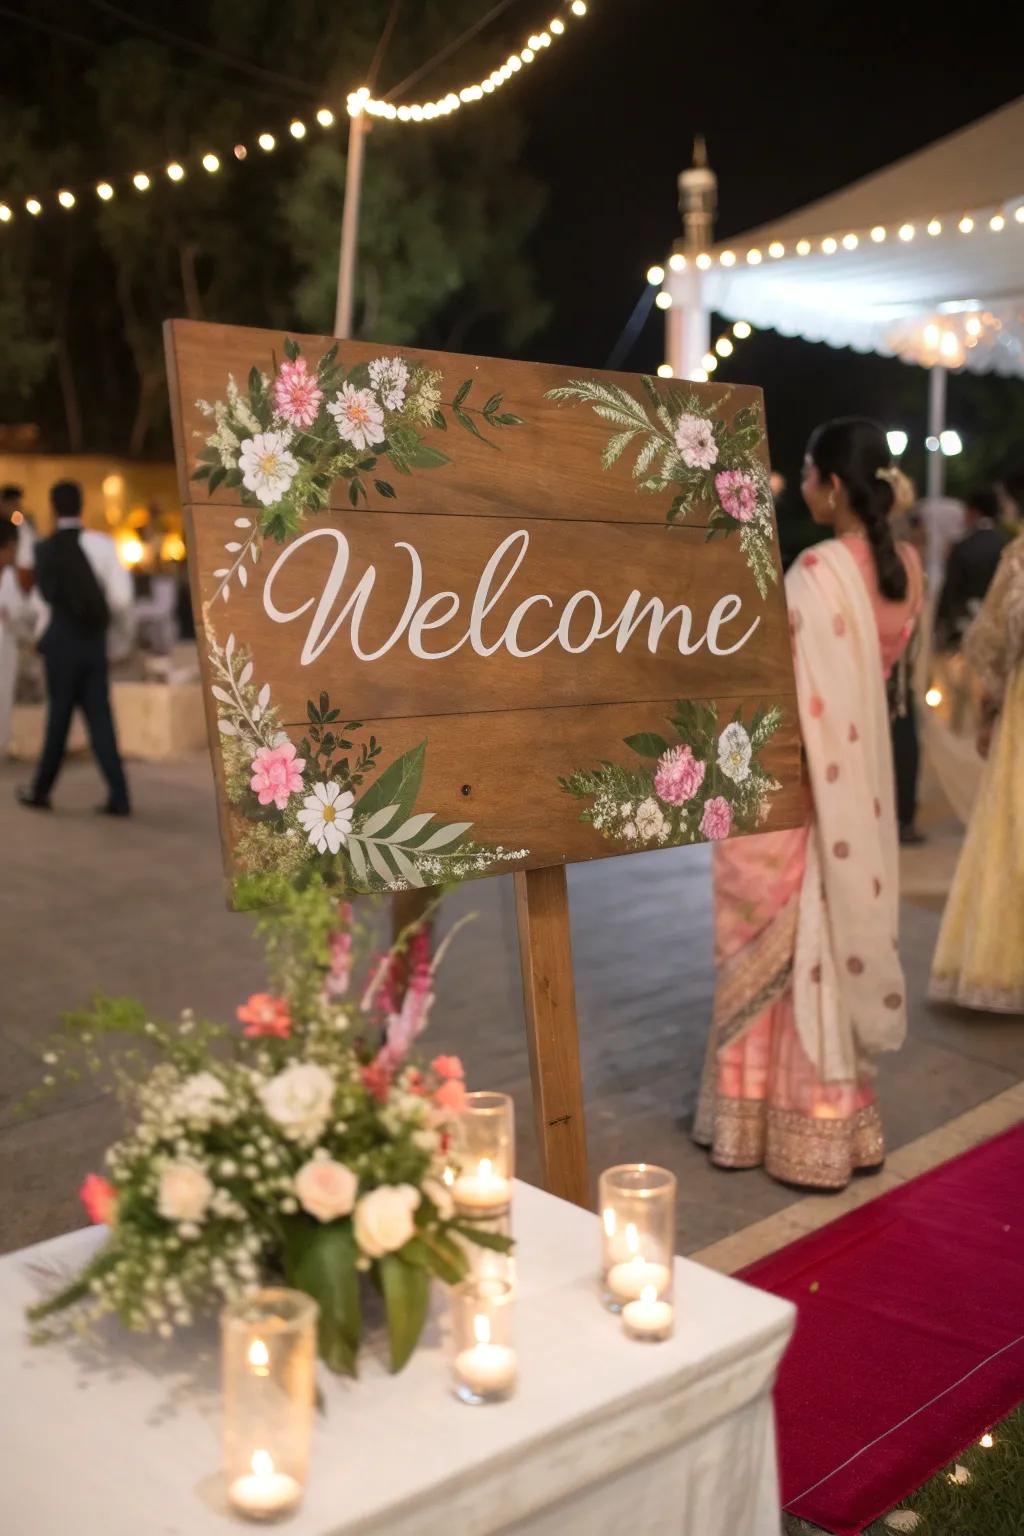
(923, 261)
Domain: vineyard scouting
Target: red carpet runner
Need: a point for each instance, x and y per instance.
(910, 1336)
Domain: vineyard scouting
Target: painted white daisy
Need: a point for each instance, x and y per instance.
(268, 469)
(389, 376)
(734, 753)
(326, 817)
(358, 416)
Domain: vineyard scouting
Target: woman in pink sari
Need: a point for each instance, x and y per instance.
(809, 986)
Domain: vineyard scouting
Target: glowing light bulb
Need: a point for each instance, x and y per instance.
(987, 1440)
(239, 151)
(677, 262)
(932, 444)
(906, 232)
(5, 214)
(935, 226)
(830, 245)
(933, 698)
(703, 261)
(897, 441)
(325, 117)
(664, 372)
(545, 39)
(966, 224)
(578, 7)
(211, 163)
(950, 442)
(803, 247)
(724, 347)
(997, 222)
(297, 129)
(66, 199)
(931, 335)
(266, 141)
(664, 300)
(709, 362)
(728, 258)
(1018, 214)
(141, 181)
(850, 242)
(515, 63)
(741, 330)
(948, 346)
(776, 250)
(878, 233)
(175, 171)
(754, 257)
(655, 276)
(33, 206)
(556, 25)
(699, 376)
(973, 326)
(527, 55)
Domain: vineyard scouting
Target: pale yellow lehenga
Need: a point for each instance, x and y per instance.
(979, 960)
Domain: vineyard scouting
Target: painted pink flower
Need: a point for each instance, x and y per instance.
(448, 1066)
(276, 774)
(296, 394)
(99, 1198)
(717, 819)
(265, 1015)
(737, 493)
(679, 776)
(451, 1096)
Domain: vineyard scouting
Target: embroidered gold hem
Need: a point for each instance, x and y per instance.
(797, 1148)
(955, 989)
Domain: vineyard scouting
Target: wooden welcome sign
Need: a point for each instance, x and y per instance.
(461, 615)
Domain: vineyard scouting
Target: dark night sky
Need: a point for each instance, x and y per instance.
(795, 100)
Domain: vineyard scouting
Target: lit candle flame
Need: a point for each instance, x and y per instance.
(262, 1464)
(449, 1176)
(259, 1357)
(482, 1328)
(484, 1170)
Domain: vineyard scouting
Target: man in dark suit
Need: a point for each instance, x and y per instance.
(82, 581)
(970, 569)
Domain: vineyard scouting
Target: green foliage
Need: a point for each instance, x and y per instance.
(321, 1260)
(406, 1288)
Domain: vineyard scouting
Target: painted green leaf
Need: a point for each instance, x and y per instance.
(217, 478)
(507, 419)
(422, 456)
(399, 784)
(357, 859)
(378, 821)
(463, 391)
(386, 489)
(470, 425)
(255, 382)
(444, 836)
(291, 351)
(408, 830)
(406, 1290)
(437, 417)
(379, 862)
(647, 744)
(493, 405)
(203, 472)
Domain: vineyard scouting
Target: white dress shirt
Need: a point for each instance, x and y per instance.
(115, 584)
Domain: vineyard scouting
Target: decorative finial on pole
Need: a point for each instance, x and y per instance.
(698, 200)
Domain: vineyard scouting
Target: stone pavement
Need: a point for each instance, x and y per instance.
(136, 908)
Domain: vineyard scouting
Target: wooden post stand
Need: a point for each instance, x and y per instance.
(545, 951)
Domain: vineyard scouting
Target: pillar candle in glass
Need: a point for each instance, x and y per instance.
(484, 1366)
(484, 1150)
(269, 1361)
(638, 1230)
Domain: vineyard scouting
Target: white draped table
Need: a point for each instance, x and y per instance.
(120, 1437)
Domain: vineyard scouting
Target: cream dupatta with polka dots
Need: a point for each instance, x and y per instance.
(848, 987)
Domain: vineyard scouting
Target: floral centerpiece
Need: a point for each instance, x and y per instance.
(308, 1146)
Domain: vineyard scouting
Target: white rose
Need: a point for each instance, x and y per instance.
(184, 1192)
(202, 1099)
(326, 1189)
(734, 753)
(441, 1195)
(299, 1100)
(383, 1219)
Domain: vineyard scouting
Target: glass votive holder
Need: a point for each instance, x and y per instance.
(485, 1262)
(268, 1346)
(484, 1368)
(484, 1154)
(638, 1230)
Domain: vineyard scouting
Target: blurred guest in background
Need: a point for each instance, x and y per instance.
(969, 571)
(86, 589)
(12, 604)
(12, 511)
(979, 959)
(809, 986)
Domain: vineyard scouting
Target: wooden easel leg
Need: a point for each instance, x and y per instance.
(545, 950)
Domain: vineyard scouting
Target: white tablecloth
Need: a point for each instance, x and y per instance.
(605, 1436)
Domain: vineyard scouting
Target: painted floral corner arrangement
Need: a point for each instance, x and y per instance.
(308, 811)
(308, 1147)
(703, 787)
(685, 447)
(286, 439)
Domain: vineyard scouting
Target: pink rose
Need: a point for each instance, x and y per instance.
(265, 1015)
(448, 1066)
(717, 819)
(737, 493)
(276, 774)
(296, 394)
(451, 1096)
(99, 1198)
(326, 1189)
(679, 776)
